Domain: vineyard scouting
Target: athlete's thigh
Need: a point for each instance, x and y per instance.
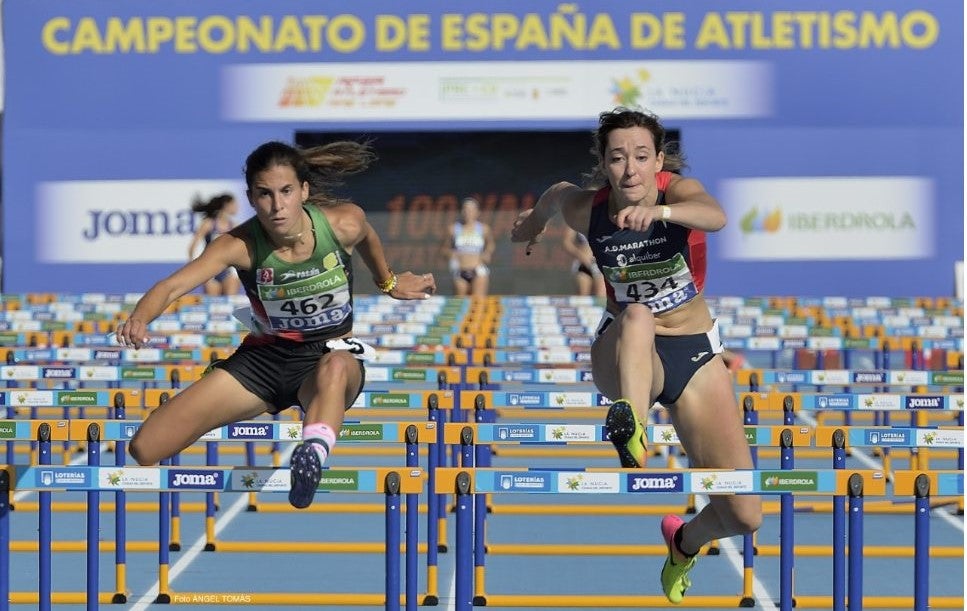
(480, 285)
(707, 420)
(213, 401)
(460, 286)
(605, 366)
(310, 387)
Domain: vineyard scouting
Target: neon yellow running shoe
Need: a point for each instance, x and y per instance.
(674, 577)
(627, 434)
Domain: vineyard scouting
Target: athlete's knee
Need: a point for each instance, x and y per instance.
(335, 369)
(637, 318)
(140, 453)
(745, 515)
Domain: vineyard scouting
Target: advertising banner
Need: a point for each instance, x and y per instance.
(831, 131)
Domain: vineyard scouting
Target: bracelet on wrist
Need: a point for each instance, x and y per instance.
(666, 213)
(389, 284)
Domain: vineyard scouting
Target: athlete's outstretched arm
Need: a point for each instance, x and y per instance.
(692, 206)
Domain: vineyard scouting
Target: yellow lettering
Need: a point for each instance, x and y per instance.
(825, 31)
(49, 35)
(565, 28)
(478, 36)
(805, 21)
(532, 33)
(738, 22)
(216, 43)
(782, 31)
(603, 33)
(124, 37)
(390, 32)
(250, 34)
(921, 20)
(393, 32)
(504, 27)
(350, 43)
(289, 36)
(645, 31)
(648, 31)
(314, 24)
(86, 37)
(419, 32)
(451, 32)
(844, 30)
(160, 31)
(880, 32)
(712, 33)
(185, 34)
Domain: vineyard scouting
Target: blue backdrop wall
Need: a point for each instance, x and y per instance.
(832, 132)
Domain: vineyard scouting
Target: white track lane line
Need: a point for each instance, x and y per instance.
(198, 546)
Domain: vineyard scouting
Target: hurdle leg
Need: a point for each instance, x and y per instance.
(44, 536)
(393, 541)
(93, 520)
(921, 544)
(855, 596)
(464, 543)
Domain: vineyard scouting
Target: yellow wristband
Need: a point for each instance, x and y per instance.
(387, 286)
(666, 213)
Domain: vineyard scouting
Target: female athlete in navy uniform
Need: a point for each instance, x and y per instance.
(657, 340)
(294, 260)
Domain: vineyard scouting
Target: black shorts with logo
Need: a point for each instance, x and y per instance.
(274, 371)
(681, 356)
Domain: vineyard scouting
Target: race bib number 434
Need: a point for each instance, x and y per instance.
(661, 285)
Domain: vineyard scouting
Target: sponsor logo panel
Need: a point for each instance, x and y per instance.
(796, 481)
(533, 481)
(655, 482)
(874, 217)
(722, 481)
(361, 432)
(339, 481)
(63, 478)
(940, 438)
(581, 482)
(130, 478)
(250, 431)
(923, 402)
(269, 480)
(520, 432)
(196, 479)
(892, 437)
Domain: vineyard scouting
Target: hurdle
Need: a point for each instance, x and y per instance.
(854, 484)
(47, 479)
(473, 437)
(410, 434)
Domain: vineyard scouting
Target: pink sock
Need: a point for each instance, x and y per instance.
(320, 431)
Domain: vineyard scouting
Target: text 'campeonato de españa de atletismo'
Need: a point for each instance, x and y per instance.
(566, 29)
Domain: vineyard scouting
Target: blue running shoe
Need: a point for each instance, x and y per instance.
(305, 471)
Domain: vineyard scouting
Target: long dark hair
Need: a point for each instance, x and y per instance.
(213, 206)
(323, 167)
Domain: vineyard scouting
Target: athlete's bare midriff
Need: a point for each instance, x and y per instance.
(689, 319)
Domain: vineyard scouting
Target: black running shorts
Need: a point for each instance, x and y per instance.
(274, 371)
